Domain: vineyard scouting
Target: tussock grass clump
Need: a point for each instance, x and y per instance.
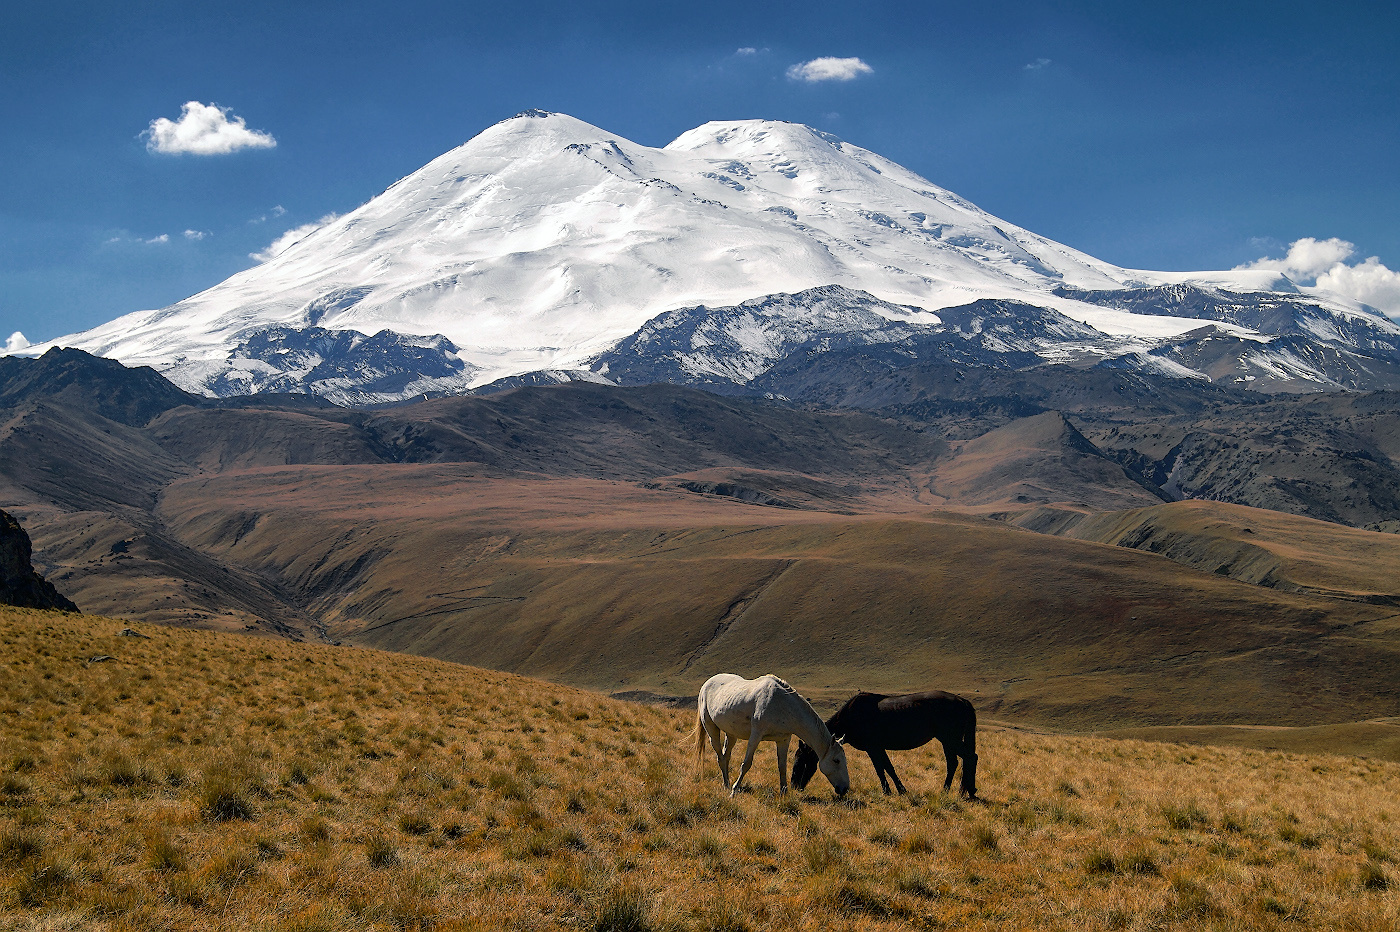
(18, 845)
(985, 838)
(320, 788)
(853, 898)
(315, 829)
(1185, 816)
(42, 883)
(1139, 862)
(223, 802)
(885, 836)
(162, 854)
(13, 785)
(380, 851)
(120, 769)
(231, 869)
(1102, 861)
(623, 910)
(1373, 877)
(1296, 836)
(227, 791)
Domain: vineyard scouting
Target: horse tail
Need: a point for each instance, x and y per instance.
(969, 753)
(699, 736)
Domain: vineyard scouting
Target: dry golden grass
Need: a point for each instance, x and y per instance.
(206, 780)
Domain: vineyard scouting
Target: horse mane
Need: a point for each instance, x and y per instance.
(784, 684)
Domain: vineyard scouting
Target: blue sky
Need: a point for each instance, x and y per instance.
(1166, 136)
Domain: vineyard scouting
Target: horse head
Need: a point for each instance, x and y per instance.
(833, 765)
(804, 765)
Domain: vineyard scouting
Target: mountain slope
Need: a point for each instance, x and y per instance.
(102, 386)
(1281, 551)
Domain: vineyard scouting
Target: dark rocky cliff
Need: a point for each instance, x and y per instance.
(19, 584)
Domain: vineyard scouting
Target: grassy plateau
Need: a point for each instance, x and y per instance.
(194, 779)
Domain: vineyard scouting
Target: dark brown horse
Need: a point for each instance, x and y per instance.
(875, 724)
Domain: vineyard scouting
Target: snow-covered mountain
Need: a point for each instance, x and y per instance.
(544, 244)
(724, 348)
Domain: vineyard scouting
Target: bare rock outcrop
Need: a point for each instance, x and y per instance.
(19, 584)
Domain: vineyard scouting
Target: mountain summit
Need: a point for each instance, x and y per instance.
(545, 241)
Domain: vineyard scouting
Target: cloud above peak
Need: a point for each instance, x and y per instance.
(1307, 257)
(1322, 263)
(204, 129)
(829, 69)
(289, 239)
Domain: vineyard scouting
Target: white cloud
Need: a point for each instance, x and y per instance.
(1323, 263)
(272, 214)
(204, 129)
(125, 237)
(1369, 282)
(197, 234)
(746, 50)
(829, 69)
(287, 240)
(1307, 257)
(1037, 64)
(16, 342)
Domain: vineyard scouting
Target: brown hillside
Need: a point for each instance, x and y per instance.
(1040, 458)
(615, 586)
(633, 539)
(1251, 544)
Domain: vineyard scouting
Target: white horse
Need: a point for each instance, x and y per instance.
(766, 709)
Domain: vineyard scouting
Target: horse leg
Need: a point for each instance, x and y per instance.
(782, 762)
(951, 753)
(748, 762)
(717, 741)
(880, 765)
(729, 742)
(899, 787)
(969, 764)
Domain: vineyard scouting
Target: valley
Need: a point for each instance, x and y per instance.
(630, 540)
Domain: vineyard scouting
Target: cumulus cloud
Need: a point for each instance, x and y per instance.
(155, 240)
(289, 239)
(204, 129)
(197, 234)
(1037, 64)
(829, 69)
(1323, 263)
(16, 342)
(1307, 257)
(1369, 282)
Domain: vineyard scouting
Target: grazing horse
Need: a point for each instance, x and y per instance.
(875, 724)
(766, 709)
